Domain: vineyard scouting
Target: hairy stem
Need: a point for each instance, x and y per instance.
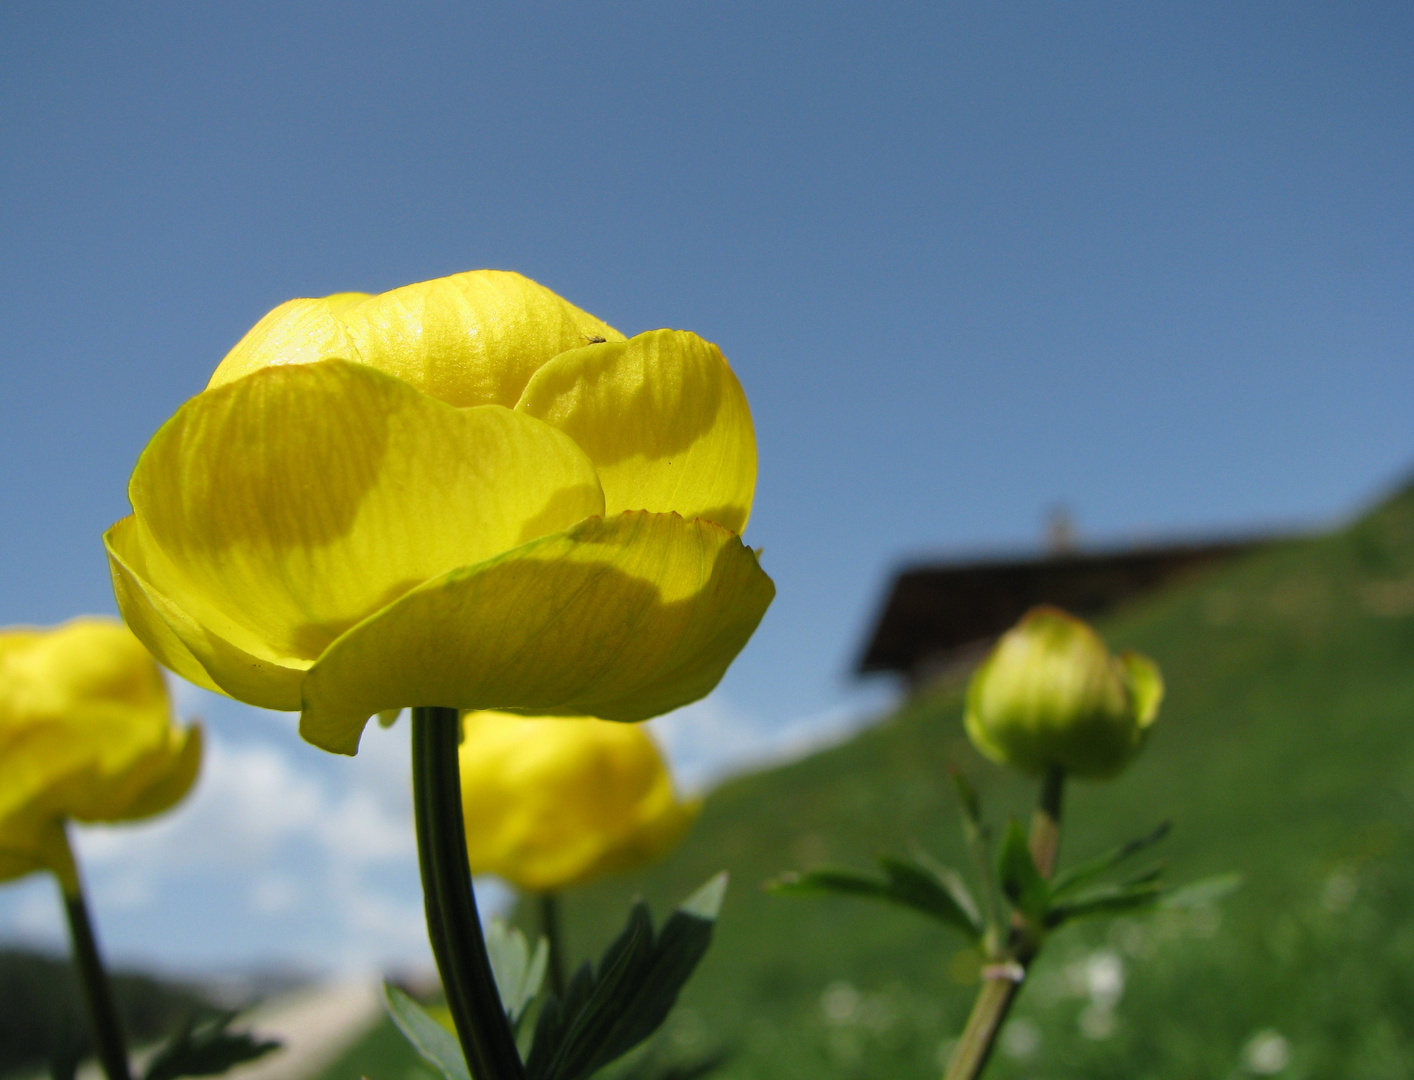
(453, 924)
(1001, 982)
(98, 1000)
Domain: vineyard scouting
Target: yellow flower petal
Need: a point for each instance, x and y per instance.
(622, 618)
(85, 733)
(195, 651)
(553, 802)
(296, 332)
(664, 420)
(472, 338)
(468, 339)
(281, 509)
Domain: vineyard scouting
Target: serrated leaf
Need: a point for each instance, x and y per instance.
(1204, 891)
(519, 972)
(955, 885)
(437, 1046)
(828, 880)
(904, 883)
(1067, 881)
(1021, 882)
(609, 1010)
(1106, 900)
(706, 902)
(207, 1048)
(938, 891)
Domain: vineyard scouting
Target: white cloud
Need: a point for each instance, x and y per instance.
(287, 856)
(712, 739)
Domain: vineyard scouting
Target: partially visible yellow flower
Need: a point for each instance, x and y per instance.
(555, 801)
(1051, 695)
(86, 733)
(465, 493)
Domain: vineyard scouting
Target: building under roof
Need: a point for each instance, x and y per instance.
(940, 618)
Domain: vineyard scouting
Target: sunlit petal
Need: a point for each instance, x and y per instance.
(664, 420)
(296, 332)
(622, 618)
(285, 507)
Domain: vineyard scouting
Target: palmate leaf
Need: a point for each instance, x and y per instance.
(437, 1046)
(207, 1048)
(1105, 900)
(934, 890)
(609, 1010)
(1067, 881)
(1139, 893)
(519, 972)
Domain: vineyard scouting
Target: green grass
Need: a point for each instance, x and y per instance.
(1285, 750)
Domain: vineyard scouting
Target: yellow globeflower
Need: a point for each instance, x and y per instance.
(465, 493)
(86, 733)
(1050, 695)
(552, 802)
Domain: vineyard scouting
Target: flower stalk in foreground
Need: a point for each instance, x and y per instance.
(453, 923)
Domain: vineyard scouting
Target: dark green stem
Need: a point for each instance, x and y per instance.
(1001, 981)
(93, 977)
(453, 925)
(551, 927)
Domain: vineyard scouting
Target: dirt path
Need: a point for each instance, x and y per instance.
(316, 1025)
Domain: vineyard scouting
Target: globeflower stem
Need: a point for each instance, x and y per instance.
(1002, 977)
(98, 1000)
(453, 924)
(553, 929)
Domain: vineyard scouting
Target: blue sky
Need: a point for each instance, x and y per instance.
(1153, 262)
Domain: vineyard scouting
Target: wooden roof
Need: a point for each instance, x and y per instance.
(936, 613)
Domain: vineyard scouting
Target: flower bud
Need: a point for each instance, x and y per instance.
(1051, 695)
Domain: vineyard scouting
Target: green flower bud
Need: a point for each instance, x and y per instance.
(1050, 694)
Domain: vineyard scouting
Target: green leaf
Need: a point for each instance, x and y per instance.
(654, 1066)
(1105, 900)
(206, 1048)
(1067, 880)
(1021, 882)
(827, 880)
(978, 839)
(519, 972)
(935, 891)
(609, 1010)
(938, 889)
(1202, 892)
(967, 799)
(438, 1046)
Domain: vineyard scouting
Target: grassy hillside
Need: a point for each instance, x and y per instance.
(42, 1017)
(1285, 750)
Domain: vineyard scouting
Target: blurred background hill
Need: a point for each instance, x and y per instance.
(1283, 751)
